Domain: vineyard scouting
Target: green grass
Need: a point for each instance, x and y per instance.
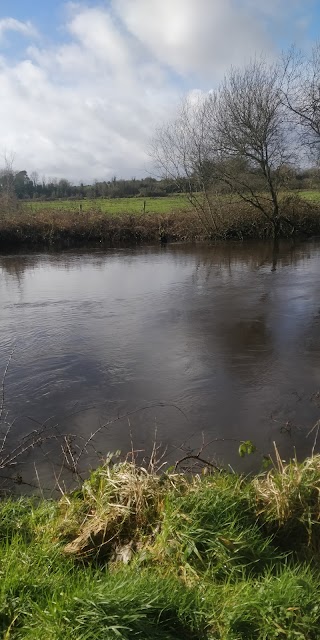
(115, 206)
(311, 195)
(208, 560)
(134, 206)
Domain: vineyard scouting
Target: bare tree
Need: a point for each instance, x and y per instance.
(182, 151)
(34, 177)
(302, 95)
(7, 190)
(236, 139)
(250, 128)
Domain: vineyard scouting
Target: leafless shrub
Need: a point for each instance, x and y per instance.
(301, 96)
(182, 151)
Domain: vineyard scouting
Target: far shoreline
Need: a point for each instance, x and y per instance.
(52, 226)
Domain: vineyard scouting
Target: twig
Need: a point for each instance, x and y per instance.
(38, 479)
(122, 417)
(196, 457)
(316, 439)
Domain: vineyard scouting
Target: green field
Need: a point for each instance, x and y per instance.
(116, 205)
(311, 195)
(134, 206)
(137, 220)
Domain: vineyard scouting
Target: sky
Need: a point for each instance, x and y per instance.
(85, 84)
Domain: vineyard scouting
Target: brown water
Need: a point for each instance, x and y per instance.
(204, 342)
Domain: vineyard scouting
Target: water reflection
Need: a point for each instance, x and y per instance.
(217, 332)
(220, 255)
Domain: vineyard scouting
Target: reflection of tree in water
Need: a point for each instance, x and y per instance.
(239, 314)
(311, 344)
(260, 337)
(15, 266)
(228, 256)
(207, 257)
(245, 337)
(245, 343)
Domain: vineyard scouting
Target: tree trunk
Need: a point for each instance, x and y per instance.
(275, 253)
(276, 228)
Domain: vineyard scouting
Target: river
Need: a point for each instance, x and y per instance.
(195, 346)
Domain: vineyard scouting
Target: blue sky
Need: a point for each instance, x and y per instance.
(84, 84)
(45, 14)
(48, 16)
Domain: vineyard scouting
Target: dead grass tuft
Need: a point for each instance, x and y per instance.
(122, 505)
(288, 499)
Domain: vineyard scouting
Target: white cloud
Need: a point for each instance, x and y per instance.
(86, 108)
(198, 36)
(10, 24)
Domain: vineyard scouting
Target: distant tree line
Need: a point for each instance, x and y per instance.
(23, 186)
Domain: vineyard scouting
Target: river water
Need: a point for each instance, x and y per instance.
(196, 346)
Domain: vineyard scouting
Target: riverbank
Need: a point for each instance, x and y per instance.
(48, 226)
(139, 554)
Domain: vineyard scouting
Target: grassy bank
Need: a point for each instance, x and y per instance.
(49, 224)
(116, 206)
(137, 205)
(135, 554)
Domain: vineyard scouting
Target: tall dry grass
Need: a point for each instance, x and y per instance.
(236, 220)
(287, 499)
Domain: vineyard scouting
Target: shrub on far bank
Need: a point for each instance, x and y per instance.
(234, 219)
